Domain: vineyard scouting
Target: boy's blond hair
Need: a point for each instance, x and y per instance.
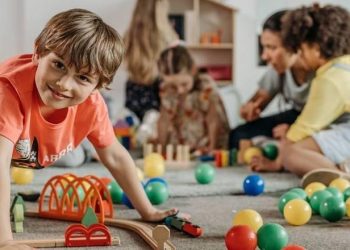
(85, 41)
(149, 34)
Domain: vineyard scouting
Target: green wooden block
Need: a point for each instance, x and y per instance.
(19, 227)
(18, 213)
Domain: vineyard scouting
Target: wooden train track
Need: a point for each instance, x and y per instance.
(155, 238)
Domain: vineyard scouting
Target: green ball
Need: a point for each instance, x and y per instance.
(272, 236)
(285, 198)
(317, 198)
(204, 173)
(157, 192)
(301, 192)
(335, 192)
(346, 193)
(332, 209)
(116, 192)
(270, 151)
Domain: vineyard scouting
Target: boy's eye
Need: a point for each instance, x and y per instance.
(59, 65)
(84, 78)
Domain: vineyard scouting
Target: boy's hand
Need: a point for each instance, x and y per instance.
(280, 131)
(250, 111)
(159, 215)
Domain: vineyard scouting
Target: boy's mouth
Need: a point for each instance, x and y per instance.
(56, 93)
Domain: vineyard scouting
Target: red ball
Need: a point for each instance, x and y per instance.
(293, 247)
(241, 237)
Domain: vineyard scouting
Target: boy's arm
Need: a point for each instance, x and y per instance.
(6, 147)
(119, 162)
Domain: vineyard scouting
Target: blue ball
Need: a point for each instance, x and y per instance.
(253, 185)
(126, 201)
(156, 179)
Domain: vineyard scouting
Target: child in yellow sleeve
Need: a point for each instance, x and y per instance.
(320, 137)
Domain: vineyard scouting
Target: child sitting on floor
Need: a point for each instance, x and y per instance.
(320, 137)
(50, 102)
(191, 110)
(287, 76)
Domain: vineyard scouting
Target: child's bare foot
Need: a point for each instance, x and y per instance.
(262, 164)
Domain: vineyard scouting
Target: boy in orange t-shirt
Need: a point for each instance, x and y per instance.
(49, 102)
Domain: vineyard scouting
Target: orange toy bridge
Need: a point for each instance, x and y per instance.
(67, 197)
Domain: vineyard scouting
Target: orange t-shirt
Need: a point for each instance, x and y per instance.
(39, 143)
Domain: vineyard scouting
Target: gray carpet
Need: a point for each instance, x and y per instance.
(182, 183)
(213, 213)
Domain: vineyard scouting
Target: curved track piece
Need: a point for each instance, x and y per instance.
(142, 229)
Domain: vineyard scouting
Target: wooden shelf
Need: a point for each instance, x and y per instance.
(211, 46)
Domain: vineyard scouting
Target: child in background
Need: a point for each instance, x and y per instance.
(50, 102)
(149, 34)
(320, 137)
(287, 75)
(191, 111)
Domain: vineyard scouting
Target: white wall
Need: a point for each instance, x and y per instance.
(22, 20)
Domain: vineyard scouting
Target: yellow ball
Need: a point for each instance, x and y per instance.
(22, 176)
(340, 184)
(249, 153)
(297, 212)
(154, 165)
(347, 204)
(140, 174)
(313, 187)
(248, 217)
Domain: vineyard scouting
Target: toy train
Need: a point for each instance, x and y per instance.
(184, 226)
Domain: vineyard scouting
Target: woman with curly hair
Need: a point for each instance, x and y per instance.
(319, 140)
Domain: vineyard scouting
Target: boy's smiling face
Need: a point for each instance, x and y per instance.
(60, 85)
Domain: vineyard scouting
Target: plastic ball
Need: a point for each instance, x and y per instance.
(116, 192)
(332, 209)
(285, 198)
(272, 236)
(204, 173)
(154, 165)
(248, 217)
(240, 237)
(157, 193)
(335, 192)
(253, 185)
(293, 247)
(313, 187)
(301, 192)
(270, 151)
(347, 205)
(317, 198)
(346, 194)
(140, 174)
(126, 201)
(22, 176)
(251, 152)
(340, 183)
(157, 179)
(297, 212)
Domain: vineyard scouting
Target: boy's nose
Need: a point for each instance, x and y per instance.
(64, 83)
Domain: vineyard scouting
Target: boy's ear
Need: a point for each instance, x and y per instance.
(35, 59)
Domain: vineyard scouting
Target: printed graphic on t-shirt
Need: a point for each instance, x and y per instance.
(29, 155)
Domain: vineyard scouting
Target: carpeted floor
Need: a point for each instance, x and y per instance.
(211, 207)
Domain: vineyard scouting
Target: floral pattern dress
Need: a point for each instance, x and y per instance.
(189, 115)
